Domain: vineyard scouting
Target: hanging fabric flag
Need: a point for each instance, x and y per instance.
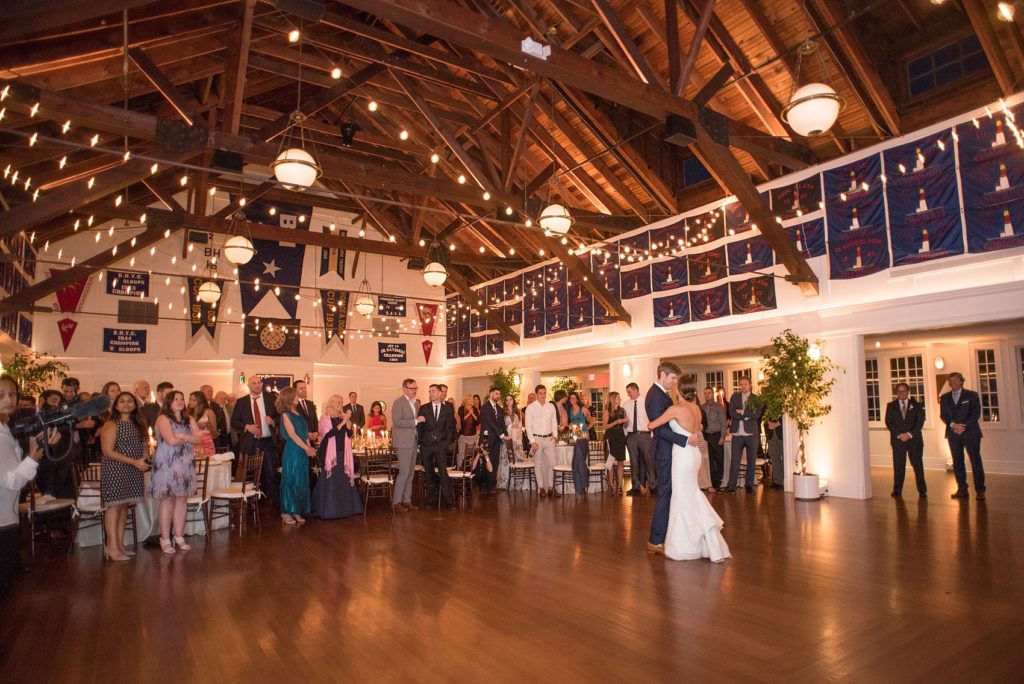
(495, 345)
(452, 350)
(67, 328)
(666, 240)
(428, 346)
(669, 274)
(276, 265)
(332, 258)
(799, 199)
(25, 331)
(203, 316)
(70, 297)
(858, 241)
(710, 303)
(271, 337)
(672, 310)
(428, 315)
(808, 237)
(637, 282)
(556, 292)
(752, 294)
(707, 267)
(334, 308)
(752, 254)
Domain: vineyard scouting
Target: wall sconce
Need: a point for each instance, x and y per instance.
(940, 363)
(760, 376)
(627, 370)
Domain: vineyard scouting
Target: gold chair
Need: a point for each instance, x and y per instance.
(242, 496)
(200, 503)
(377, 477)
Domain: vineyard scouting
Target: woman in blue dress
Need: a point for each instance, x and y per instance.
(335, 494)
(579, 416)
(295, 501)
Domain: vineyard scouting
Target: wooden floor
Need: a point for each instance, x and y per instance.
(549, 590)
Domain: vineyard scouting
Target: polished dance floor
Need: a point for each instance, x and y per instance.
(527, 589)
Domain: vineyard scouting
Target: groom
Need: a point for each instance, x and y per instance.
(656, 403)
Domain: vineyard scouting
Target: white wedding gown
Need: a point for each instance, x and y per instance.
(694, 528)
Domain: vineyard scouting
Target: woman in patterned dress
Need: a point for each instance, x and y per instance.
(174, 469)
(123, 443)
(199, 410)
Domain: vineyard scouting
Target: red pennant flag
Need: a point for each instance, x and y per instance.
(427, 314)
(70, 296)
(67, 327)
(428, 345)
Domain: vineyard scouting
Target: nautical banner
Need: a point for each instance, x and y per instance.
(203, 316)
(124, 341)
(669, 274)
(512, 288)
(672, 310)
(494, 294)
(334, 309)
(477, 323)
(602, 267)
(331, 258)
(635, 245)
(29, 264)
(495, 345)
(478, 346)
(808, 237)
(705, 228)
(270, 337)
(70, 297)
(451, 350)
(799, 199)
(451, 318)
(581, 307)
(556, 293)
(533, 324)
(737, 218)
(707, 267)
(427, 314)
(463, 324)
(393, 307)
(127, 283)
(858, 243)
(25, 331)
(752, 254)
(992, 174)
(9, 325)
(636, 283)
(710, 303)
(923, 200)
(464, 350)
(556, 321)
(513, 313)
(533, 286)
(667, 238)
(752, 294)
(66, 327)
(277, 266)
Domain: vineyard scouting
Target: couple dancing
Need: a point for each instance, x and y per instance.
(685, 526)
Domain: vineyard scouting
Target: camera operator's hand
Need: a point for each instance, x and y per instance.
(35, 451)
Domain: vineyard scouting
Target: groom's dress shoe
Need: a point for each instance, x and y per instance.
(749, 489)
(656, 549)
(730, 490)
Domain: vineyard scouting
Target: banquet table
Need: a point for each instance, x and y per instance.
(217, 476)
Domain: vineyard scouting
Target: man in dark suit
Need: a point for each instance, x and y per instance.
(358, 414)
(151, 410)
(223, 440)
(904, 417)
(492, 433)
(657, 402)
(960, 410)
(435, 434)
(745, 427)
(305, 406)
(253, 418)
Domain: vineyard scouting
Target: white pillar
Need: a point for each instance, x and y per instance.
(643, 370)
(530, 379)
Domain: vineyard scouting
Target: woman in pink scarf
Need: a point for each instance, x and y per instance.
(336, 495)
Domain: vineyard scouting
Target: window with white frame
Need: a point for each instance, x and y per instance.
(715, 379)
(988, 388)
(873, 386)
(908, 369)
(737, 375)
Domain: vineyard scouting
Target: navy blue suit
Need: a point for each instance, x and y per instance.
(967, 412)
(656, 403)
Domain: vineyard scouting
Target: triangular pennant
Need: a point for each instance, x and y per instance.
(427, 314)
(428, 346)
(67, 327)
(70, 297)
(203, 316)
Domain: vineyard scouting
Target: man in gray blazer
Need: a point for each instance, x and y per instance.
(405, 419)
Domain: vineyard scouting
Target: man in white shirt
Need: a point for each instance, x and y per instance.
(542, 430)
(638, 442)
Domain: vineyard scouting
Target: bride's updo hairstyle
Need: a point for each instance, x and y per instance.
(688, 392)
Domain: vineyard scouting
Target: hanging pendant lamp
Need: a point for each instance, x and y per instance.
(209, 292)
(813, 107)
(296, 168)
(238, 248)
(435, 273)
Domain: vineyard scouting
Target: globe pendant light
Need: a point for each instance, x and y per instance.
(814, 107)
(209, 292)
(295, 168)
(238, 248)
(556, 219)
(435, 273)
(364, 304)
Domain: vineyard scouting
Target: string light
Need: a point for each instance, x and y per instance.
(372, 105)
(294, 35)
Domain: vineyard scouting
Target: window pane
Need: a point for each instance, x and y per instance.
(919, 66)
(874, 393)
(987, 384)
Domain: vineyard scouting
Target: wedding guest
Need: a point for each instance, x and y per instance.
(542, 431)
(615, 434)
(745, 429)
(714, 436)
(336, 495)
(305, 406)
(592, 429)
(469, 422)
(477, 402)
(578, 415)
(356, 409)
(225, 403)
(221, 438)
(142, 392)
(174, 471)
(436, 425)
(494, 434)
(960, 410)
(252, 418)
(91, 436)
(124, 446)
(294, 486)
(530, 398)
(773, 438)
(206, 419)
(514, 425)
(638, 443)
(405, 420)
(151, 410)
(377, 422)
(453, 447)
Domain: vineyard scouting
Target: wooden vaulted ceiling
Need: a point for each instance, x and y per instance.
(585, 127)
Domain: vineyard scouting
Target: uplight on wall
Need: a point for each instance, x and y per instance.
(627, 370)
(940, 363)
(814, 351)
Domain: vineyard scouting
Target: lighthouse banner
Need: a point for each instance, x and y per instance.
(923, 202)
(799, 199)
(858, 239)
(637, 282)
(707, 267)
(672, 310)
(752, 254)
(809, 237)
(581, 306)
(992, 175)
(710, 303)
(556, 294)
(669, 274)
(609, 275)
(752, 294)
(737, 219)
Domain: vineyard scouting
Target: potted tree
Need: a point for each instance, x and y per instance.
(798, 379)
(33, 371)
(507, 382)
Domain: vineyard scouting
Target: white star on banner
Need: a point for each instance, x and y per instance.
(270, 268)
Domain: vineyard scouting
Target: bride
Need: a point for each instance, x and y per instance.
(694, 529)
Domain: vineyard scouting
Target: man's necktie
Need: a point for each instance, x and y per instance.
(257, 418)
(436, 412)
(903, 408)
(635, 426)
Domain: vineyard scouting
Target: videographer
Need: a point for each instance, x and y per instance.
(55, 478)
(15, 473)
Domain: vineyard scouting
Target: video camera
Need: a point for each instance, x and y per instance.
(58, 417)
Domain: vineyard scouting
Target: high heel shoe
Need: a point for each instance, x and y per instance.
(299, 519)
(180, 541)
(128, 553)
(109, 556)
(166, 546)
(287, 519)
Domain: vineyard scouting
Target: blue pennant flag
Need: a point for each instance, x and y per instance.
(752, 294)
(275, 265)
(752, 254)
(710, 303)
(808, 237)
(672, 310)
(858, 241)
(923, 200)
(992, 174)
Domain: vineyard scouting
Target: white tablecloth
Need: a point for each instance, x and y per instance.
(218, 476)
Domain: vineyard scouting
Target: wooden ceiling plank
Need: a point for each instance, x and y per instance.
(629, 48)
(36, 16)
(181, 105)
(708, 11)
(236, 65)
(520, 146)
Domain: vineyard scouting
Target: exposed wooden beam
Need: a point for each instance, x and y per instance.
(250, 197)
(165, 197)
(520, 146)
(978, 13)
(236, 64)
(706, 13)
(183, 106)
(671, 39)
(28, 17)
(588, 280)
(626, 43)
(30, 295)
(714, 84)
(459, 284)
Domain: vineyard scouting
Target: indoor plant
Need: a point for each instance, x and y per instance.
(798, 379)
(33, 371)
(507, 382)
